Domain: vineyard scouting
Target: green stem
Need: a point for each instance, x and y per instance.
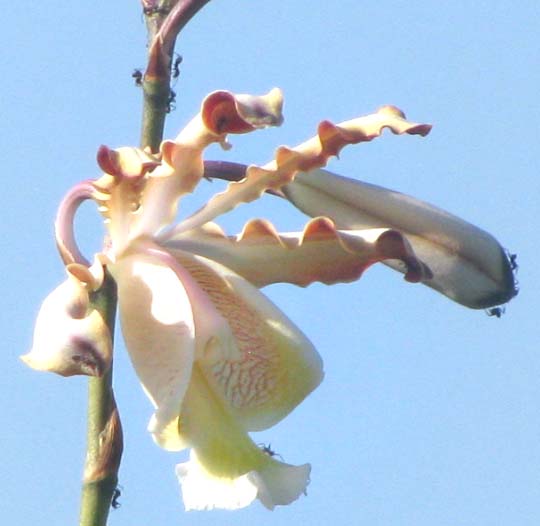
(104, 433)
(157, 99)
(164, 20)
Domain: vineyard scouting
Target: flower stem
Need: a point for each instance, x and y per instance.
(164, 20)
(104, 433)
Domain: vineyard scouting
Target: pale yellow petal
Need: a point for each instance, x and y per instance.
(226, 469)
(158, 328)
(278, 366)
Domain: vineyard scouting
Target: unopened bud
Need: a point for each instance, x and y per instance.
(70, 336)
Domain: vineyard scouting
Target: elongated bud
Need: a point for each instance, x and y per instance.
(70, 336)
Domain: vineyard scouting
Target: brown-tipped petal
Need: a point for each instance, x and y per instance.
(311, 154)
(223, 112)
(125, 161)
(468, 264)
(182, 165)
(70, 337)
(320, 253)
(119, 191)
(332, 138)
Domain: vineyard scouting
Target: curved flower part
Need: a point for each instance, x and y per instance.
(189, 321)
(70, 336)
(311, 154)
(226, 469)
(277, 366)
(65, 217)
(159, 330)
(139, 192)
(469, 265)
(319, 253)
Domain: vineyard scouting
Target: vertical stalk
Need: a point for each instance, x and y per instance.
(157, 98)
(164, 21)
(104, 431)
(157, 77)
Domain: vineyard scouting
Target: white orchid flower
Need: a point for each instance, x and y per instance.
(216, 358)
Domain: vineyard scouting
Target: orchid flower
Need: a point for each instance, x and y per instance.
(216, 358)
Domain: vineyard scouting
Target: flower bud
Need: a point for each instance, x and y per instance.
(70, 336)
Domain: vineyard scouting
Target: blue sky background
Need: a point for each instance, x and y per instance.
(429, 413)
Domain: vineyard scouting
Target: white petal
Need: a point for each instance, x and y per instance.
(278, 366)
(158, 327)
(276, 484)
(468, 264)
(214, 338)
(202, 491)
(280, 484)
(226, 469)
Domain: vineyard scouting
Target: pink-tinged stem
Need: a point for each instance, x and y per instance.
(164, 20)
(229, 171)
(179, 16)
(224, 170)
(64, 223)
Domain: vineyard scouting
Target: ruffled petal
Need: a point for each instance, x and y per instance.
(469, 265)
(70, 336)
(139, 192)
(159, 331)
(278, 366)
(279, 484)
(182, 167)
(126, 162)
(223, 112)
(226, 469)
(314, 153)
(203, 491)
(320, 253)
